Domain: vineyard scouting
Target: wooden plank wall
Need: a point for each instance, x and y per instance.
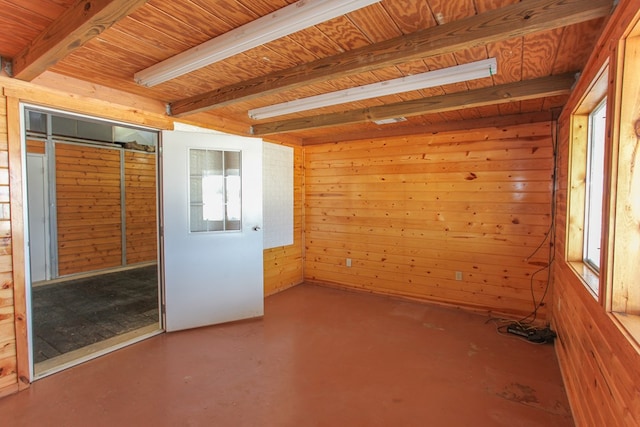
(600, 363)
(283, 267)
(410, 212)
(140, 206)
(8, 360)
(88, 208)
(35, 147)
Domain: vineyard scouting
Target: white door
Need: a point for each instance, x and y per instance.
(38, 216)
(212, 221)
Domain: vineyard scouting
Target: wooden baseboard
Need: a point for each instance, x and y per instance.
(568, 385)
(467, 308)
(281, 289)
(8, 390)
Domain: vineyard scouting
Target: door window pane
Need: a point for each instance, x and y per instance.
(215, 194)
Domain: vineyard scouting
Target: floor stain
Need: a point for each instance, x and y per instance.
(527, 395)
(473, 350)
(520, 393)
(409, 311)
(432, 326)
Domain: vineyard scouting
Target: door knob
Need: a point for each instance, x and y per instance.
(256, 228)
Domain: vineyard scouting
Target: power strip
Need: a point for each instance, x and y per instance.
(532, 334)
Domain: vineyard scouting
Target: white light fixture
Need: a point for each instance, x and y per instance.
(457, 74)
(390, 121)
(288, 20)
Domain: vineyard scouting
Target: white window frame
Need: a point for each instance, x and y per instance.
(594, 188)
(578, 215)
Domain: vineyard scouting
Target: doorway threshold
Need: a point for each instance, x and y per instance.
(84, 354)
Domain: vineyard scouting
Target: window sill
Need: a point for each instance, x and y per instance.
(589, 278)
(629, 324)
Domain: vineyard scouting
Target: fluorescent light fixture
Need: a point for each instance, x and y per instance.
(444, 76)
(288, 20)
(390, 121)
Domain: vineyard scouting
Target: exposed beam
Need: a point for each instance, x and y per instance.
(517, 20)
(460, 125)
(519, 91)
(75, 27)
(68, 84)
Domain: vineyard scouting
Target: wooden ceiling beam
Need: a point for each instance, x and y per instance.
(516, 20)
(432, 129)
(518, 91)
(80, 23)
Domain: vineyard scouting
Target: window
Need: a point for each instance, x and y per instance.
(603, 204)
(215, 194)
(586, 186)
(594, 186)
(624, 248)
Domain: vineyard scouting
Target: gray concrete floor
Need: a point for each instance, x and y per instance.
(76, 313)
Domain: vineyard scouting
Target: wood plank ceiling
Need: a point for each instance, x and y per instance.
(539, 46)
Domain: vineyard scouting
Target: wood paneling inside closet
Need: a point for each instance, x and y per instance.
(89, 217)
(88, 208)
(413, 214)
(140, 206)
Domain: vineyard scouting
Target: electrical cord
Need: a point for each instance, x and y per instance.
(550, 235)
(522, 328)
(502, 330)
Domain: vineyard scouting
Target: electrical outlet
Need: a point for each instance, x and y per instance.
(348, 262)
(458, 275)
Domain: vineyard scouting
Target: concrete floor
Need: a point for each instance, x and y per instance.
(319, 357)
(77, 313)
